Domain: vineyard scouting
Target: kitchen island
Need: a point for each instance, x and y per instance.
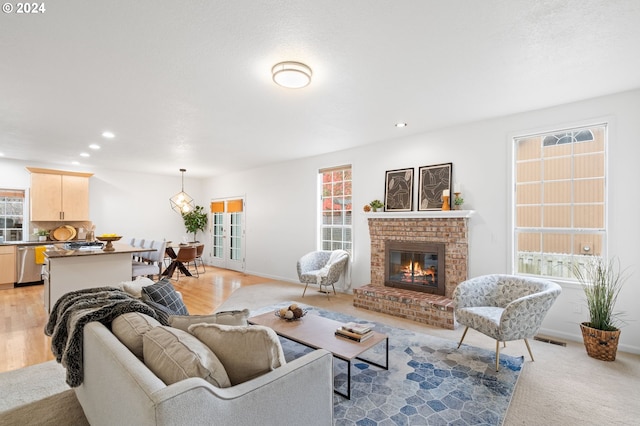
(86, 267)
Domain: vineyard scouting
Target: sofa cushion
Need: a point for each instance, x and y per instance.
(165, 294)
(129, 329)
(134, 288)
(175, 355)
(246, 352)
(225, 318)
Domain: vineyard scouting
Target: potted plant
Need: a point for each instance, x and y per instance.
(42, 234)
(601, 281)
(195, 220)
(376, 204)
(458, 201)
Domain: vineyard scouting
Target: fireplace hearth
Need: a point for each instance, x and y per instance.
(417, 266)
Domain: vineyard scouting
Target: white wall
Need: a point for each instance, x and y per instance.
(281, 199)
(281, 218)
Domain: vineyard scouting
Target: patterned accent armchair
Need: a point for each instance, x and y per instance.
(323, 268)
(504, 307)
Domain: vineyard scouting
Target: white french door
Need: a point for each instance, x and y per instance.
(227, 233)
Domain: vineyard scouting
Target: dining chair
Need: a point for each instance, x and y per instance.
(199, 251)
(153, 262)
(186, 256)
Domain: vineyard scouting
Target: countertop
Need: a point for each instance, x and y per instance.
(58, 250)
(35, 243)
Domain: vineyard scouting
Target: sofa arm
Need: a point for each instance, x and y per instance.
(299, 392)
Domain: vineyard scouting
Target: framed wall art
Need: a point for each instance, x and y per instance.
(398, 190)
(432, 181)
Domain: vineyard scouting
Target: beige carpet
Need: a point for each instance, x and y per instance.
(562, 387)
(38, 395)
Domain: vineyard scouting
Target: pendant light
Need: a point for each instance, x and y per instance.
(182, 202)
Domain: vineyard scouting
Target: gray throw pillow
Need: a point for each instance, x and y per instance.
(165, 294)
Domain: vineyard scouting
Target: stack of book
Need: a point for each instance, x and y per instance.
(355, 331)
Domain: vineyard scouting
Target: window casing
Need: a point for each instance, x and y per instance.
(560, 200)
(11, 214)
(336, 209)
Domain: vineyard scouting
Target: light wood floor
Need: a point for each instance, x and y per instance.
(23, 318)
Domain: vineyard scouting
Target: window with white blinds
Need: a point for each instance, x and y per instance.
(335, 209)
(560, 200)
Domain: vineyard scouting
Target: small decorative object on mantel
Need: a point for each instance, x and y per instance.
(601, 281)
(367, 208)
(376, 204)
(458, 201)
(445, 200)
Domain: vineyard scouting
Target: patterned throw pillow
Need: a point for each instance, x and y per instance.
(163, 293)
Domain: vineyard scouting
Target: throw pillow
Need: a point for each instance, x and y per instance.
(175, 355)
(134, 288)
(165, 294)
(246, 352)
(225, 318)
(129, 329)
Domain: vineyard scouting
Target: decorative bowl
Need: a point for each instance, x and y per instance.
(294, 318)
(109, 241)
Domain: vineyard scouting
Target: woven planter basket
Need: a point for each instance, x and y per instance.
(600, 344)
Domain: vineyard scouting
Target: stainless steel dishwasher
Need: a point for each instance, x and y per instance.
(29, 272)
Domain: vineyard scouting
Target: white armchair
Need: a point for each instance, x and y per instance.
(504, 307)
(323, 268)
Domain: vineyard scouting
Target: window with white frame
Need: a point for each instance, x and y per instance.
(11, 214)
(335, 209)
(560, 200)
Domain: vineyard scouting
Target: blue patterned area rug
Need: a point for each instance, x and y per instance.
(429, 381)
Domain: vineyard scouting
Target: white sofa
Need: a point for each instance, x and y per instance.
(119, 389)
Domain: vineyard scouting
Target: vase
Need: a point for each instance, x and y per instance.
(600, 344)
(42, 238)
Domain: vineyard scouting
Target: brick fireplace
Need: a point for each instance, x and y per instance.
(446, 227)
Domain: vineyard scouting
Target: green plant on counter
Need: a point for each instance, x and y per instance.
(42, 233)
(195, 220)
(458, 201)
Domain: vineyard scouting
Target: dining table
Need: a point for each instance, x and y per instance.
(175, 263)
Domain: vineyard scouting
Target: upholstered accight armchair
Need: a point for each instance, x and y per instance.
(323, 268)
(504, 307)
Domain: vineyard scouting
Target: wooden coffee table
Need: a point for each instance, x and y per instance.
(318, 332)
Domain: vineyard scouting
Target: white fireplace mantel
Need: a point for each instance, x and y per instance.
(432, 214)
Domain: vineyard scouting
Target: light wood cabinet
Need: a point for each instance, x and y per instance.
(58, 195)
(7, 266)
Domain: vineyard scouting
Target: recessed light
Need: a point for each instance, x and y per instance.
(108, 135)
(75, 163)
(94, 146)
(401, 124)
(1, 154)
(85, 154)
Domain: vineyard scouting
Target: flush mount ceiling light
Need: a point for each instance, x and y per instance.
(181, 202)
(401, 124)
(292, 75)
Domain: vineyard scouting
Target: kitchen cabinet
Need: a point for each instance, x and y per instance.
(7, 266)
(59, 195)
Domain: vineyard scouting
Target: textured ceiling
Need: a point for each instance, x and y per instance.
(188, 84)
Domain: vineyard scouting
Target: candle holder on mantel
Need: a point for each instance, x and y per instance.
(445, 202)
